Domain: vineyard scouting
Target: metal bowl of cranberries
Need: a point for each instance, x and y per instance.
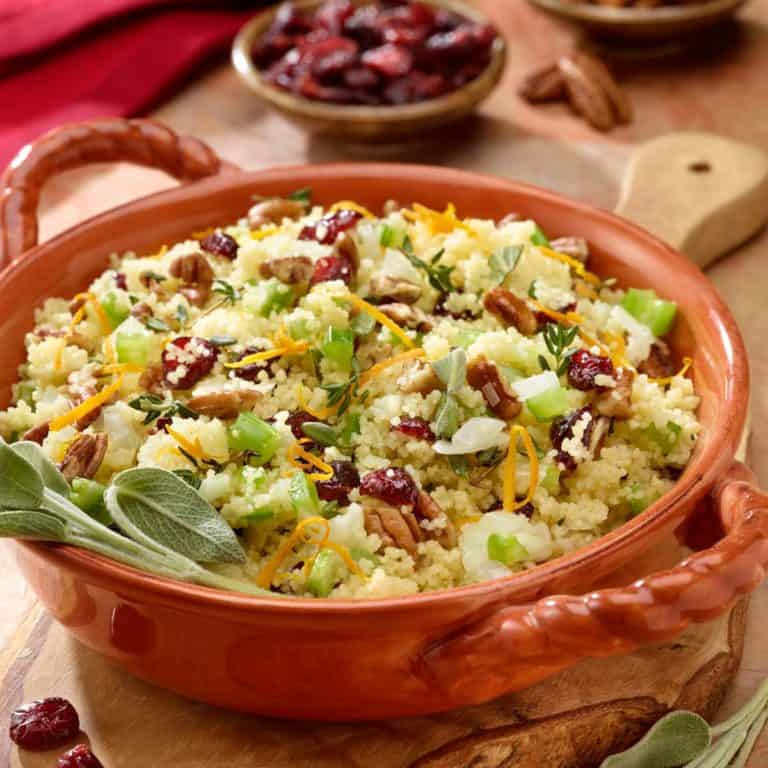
(372, 70)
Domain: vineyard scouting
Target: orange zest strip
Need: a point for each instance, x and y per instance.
(260, 234)
(194, 449)
(93, 402)
(349, 205)
(108, 350)
(121, 368)
(76, 318)
(296, 452)
(617, 349)
(687, 363)
(438, 222)
(574, 264)
(159, 254)
(318, 413)
(462, 521)
(510, 469)
(294, 348)
(569, 318)
(203, 233)
(375, 370)
(380, 318)
(302, 534)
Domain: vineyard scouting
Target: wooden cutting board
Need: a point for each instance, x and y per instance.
(571, 720)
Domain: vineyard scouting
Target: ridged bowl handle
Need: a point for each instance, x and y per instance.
(143, 142)
(474, 662)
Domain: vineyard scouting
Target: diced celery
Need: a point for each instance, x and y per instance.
(132, 347)
(551, 480)
(115, 309)
(299, 329)
(538, 237)
(252, 434)
(640, 500)
(339, 346)
(548, 404)
(467, 336)
(506, 550)
(391, 237)
(89, 496)
(324, 573)
(358, 553)
(259, 514)
(649, 309)
(666, 439)
(304, 498)
(268, 297)
(362, 324)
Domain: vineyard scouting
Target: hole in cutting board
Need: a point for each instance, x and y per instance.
(700, 166)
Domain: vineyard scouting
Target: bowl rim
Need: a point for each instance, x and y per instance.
(632, 16)
(697, 479)
(472, 91)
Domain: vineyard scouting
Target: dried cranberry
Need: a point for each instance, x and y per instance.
(162, 423)
(345, 478)
(459, 44)
(289, 19)
(270, 48)
(416, 427)
(330, 226)
(79, 757)
(389, 60)
(186, 360)
(362, 26)
(220, 244)
(415, 86)
(332, 15)
(361, 77)
(527, 510)
(297, 420)
(44, 724)
(251, 371)
(562, 429)
(120, 281)
(392, 485)
(583, 367)
(336, 267)
(329, 57)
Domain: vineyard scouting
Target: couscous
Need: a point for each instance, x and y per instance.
(376, 404)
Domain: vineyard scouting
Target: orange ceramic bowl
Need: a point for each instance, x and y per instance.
(354, 660)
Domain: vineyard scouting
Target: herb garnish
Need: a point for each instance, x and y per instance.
(148, 276)
(532, 289)
(156, 324)
(303, 195)
(222, 341)
(189, 477)
(182, 315)
(558, 338)
(227, 290)
(452, 371)
(343, 393)
(538, 237)
(504, 261)
(154, 406)
(439, 275)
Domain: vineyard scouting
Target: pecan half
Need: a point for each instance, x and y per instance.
(152, 379)
(410, 317)
(288, 269)
(419, 378)
(659, 364)
(346, 248)
(80, 393)
(141, 311)
(511, 310)
(37, 434)
(196, 275)
(545, 84)
(598, 73)
(429, 509)
(395, 289)
(617, 401)
(273, 211)
(224, 405)
(484, 376)
(587, 97)
(575, 247)
(84, 456)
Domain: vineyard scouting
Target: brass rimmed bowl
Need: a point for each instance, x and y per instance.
(368, 123)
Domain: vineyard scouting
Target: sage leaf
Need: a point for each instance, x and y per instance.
(32, 524)
(447, 416)
(452, 370)
(320, 433)
(155, 507)
(21, 486)
(674, 740)
(504, 261)
(49, 472)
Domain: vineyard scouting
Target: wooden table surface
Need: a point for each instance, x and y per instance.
(722, 88)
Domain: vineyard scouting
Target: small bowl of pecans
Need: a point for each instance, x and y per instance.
(372, 70)
(642, 21)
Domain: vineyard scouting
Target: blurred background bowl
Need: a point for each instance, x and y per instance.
(642, 25)
(368, 123)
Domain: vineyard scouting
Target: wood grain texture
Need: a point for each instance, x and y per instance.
(721, 89)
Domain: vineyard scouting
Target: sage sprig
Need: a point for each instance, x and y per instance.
(452, 371)
(682, 739)
(166, 527)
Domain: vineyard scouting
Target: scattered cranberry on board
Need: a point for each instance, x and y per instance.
(79, 757)
(44, 724)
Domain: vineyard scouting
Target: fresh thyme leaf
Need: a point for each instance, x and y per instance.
(532, 289)
(181, 314)
(303, 195)
(222, 341)
(227, 290)
(460, 465)
(156, 324)
(558, 338)
(154, 406)
(341, 394)
(148, 276)
(544, 363)
(539, 238)
(504, 261)
(439, 275)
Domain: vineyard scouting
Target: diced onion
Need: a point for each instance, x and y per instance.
(478, 434)
(535, 385)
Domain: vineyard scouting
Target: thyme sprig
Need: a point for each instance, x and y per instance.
(558, 338)
(231, 294)
(153, 407)
(439, 275)
(342, 394)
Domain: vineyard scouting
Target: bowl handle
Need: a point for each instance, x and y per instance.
(144, 142)
(520, 644)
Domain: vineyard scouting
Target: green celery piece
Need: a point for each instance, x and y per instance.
(391, 237)
(551, 480)
(132, 347)
(339, 346)
(324, 573)
(304, 498)
(358, 553)
(115, 310)
(89, 496)
(506, 550)
(299, 329)
(646, 307)
(275, 297)
(665, 439)
(549, 404)
(252, 434)
(538, 237)
(467, 336)
(258, 515)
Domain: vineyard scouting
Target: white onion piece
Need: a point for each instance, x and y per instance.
(535, 385)
(477, 434)
(395, 264)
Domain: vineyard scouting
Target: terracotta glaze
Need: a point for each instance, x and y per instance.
(357, 660)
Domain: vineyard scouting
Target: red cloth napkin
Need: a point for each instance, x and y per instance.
(71, 60)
